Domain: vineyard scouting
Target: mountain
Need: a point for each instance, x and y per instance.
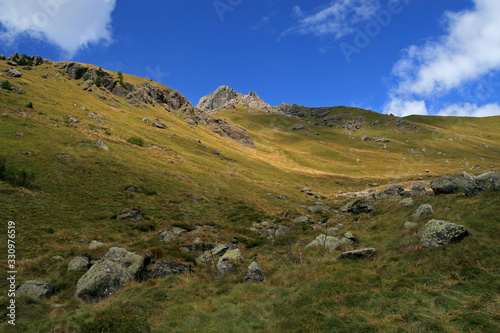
(135, 211)
(225, 97)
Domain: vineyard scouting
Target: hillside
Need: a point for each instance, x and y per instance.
(80, 145)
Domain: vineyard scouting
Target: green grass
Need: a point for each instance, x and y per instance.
(79, 189)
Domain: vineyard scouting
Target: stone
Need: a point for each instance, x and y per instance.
(78, 263)
(197, 198)
(357, 207)
(423, 211)
(282, 197)
(209, 255)
(132, 189)
(483, 183)
(35, 289)
(59, 258)
(366, 138)
(233, 256)
(301, 219)
(95, 117)
(162, 268)
(417, 187)
(37, 60)
(95, 245)
(169, 236)
(145, 120)
(364, 253)
(409, 225)
(73, 120)
(330, 242)
(298, 127)
(102, 145)
(407, 202)
(281, 231)
(159, 124)
(316, 209)
(2, 57)
(14, 57)
(110, 274)
(132, 214)
(11, 72)
(388, 192)
(225, 97)
(436, 233)
(224, 267)
(255, 273)
(19, 91)
(451, 185)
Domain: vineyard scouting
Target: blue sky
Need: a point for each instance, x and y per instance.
(391, 56)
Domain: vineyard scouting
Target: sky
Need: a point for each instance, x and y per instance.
(428, 57)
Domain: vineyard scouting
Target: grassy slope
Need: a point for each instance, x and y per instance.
(450, 289)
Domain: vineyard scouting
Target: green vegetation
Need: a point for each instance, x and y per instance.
(98, 81)
(80, 190)
(29, 105)
(6, 85)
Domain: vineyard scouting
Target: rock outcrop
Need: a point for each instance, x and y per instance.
(255, 273)
(468, 184)
(35, 289)
(110, 274)
(225, 97)
(436, 233)
(364, 253)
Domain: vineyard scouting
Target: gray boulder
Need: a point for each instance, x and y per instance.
(95, 117)
(132, 214)
(300, 219)
(451, 184)
(331, 242)
(95, 245)
(37, 60)
(417, 187)
(483, 183)
(159, 124)
(233, 256)
(358, 254)
(298, 127)
(224, 267)
(422, 211)
(255, 273)
(357, 207)
(36, 289)
(171, 235)
(213, 253)
(437, 232)
(110, 274)
(318, 208)
(388, 192)
(102, 145)
(78, 263)
(13, 73)
(162, 268)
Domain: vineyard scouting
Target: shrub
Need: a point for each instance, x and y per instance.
(86, 77)
(117, 322)
(98, 81)
(29, 105)
(136, 141)
(6, 85)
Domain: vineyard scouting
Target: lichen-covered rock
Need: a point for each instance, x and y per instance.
(132, 214)
(159, 124)
(451, 184)
(357, 207)
(300, 219)
(483, 183)
(388, 192)
(36, 289)
(102, 145)
(162, 268)
(255, 273)
(212, 254)
(95, 245)
(437, 232)
(224, 267)
(358, 254)
(110, 274)
(171, 235)
(78, 263)
(422, 211)
(331, 242)
(233, 256)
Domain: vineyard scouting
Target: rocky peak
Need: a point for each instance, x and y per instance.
(225, 97)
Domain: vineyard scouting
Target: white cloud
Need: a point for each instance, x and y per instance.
(69, 24)
(405, 107)
(469, 50)
(471, 110)
(337, 19)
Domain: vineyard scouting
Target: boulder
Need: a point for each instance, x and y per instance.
(357, 207)
(300, 219)
(436, 233)
(78, 263)
(102, 145)
(37, 60)
(95, 117)
(417, 187)
(407, 202)
(159, 124)
(110, 274)
(95, 245)
(145, 120)
(280, 231)
(11, 72)
(298, 127)
(282, 197)
(451, 184)
(358, 254)
(211, 254)
(224, 267)
(483, 183)
(255, 273)
(319, 208)
(233, 256)
(422, 211)
(2, 57)
(162, 268)
(171, 235)
(331, 242)
(388, 192)
(36, 289)
(132, 214)
(14, 57)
